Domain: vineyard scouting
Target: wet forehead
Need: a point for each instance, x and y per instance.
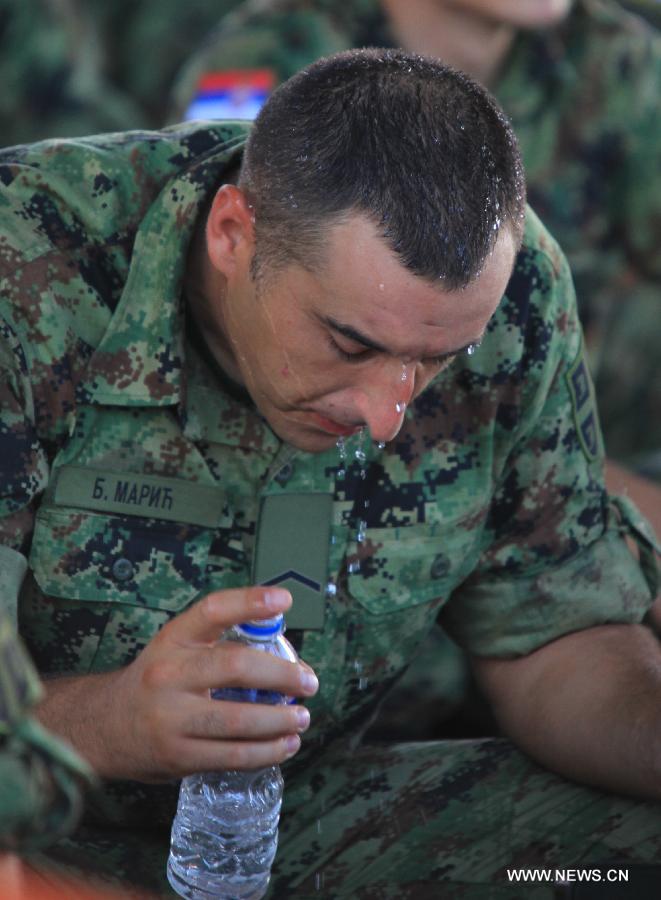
(364, 286)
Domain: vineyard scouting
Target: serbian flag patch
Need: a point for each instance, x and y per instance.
(234, 94)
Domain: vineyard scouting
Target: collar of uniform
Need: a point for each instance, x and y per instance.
(216, 413)
(139, 360)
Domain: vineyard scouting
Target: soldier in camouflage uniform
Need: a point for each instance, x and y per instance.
(583, 98)
(76, 67)
(41, 780)
(180, 358)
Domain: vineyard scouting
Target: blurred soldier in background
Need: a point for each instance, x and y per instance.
(75, 67)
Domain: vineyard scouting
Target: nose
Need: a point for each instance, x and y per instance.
(383, 398)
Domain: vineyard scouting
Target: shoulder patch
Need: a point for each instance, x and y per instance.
(584, 406)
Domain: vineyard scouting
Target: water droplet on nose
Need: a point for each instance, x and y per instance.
(381, 445)
(382, 286)
(405, 374)
(400, 407)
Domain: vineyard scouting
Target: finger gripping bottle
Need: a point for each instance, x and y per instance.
(225, 832)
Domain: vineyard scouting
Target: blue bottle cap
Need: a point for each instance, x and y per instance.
(263, 628)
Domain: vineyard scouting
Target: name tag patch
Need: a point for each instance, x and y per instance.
(148, 496)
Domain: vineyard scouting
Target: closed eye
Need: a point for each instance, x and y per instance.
(359, 355)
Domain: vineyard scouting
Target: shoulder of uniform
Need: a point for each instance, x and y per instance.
(539, 246)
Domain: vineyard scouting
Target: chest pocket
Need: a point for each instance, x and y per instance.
(397, 582)
(103, 585)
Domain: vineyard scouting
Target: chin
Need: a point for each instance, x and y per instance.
(311, 442)
(544, 13)
(303, 438)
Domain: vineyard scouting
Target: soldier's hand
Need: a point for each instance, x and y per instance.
(175, 728)
(155, 720)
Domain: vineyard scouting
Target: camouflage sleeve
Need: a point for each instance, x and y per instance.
(280, 37)
(41, 779)
(555, 557)
(23, 461)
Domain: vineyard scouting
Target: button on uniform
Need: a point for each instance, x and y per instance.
(440, 566)
(284, 474)
(123, 569)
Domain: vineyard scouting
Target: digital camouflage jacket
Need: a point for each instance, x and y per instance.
(132, 478)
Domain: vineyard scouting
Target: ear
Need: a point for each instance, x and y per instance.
(230, 232)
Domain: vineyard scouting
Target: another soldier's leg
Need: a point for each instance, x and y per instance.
(447, 819)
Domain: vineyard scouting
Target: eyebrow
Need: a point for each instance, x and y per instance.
(354, 335)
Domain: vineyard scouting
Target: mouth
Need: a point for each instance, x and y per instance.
(330, 426)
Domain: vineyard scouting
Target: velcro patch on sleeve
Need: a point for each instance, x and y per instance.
(584, 407)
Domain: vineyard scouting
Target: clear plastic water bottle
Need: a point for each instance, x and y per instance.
(225, 833)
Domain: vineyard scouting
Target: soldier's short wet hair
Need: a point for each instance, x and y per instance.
(418, 147)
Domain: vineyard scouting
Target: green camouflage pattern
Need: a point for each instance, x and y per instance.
(41, 779)
(488, 508)
(418, 821)
(78, 67)
(584, 103)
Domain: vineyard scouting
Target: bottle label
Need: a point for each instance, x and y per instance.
(250, 695)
